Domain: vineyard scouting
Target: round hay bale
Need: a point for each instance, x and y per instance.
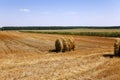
(65, 45)
(117, 47)
(58, 45)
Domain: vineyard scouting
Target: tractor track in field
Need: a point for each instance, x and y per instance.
(26, 56)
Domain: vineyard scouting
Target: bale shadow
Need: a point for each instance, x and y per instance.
(111, 55)
(52, 50)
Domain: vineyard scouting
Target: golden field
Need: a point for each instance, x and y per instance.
(29, 56)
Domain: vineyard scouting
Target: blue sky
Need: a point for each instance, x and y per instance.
(59, 12)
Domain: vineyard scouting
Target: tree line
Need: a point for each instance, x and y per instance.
(56, 27)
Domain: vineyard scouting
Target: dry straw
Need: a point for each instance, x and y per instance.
(65, 44)
(117, 47)
(72, 43)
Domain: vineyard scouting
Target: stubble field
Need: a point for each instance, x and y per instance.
(29, 56)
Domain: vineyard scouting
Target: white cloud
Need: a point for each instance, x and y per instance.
(24, 10)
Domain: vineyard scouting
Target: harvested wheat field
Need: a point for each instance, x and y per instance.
(30, 56)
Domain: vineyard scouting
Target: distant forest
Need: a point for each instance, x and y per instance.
(56, 27)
